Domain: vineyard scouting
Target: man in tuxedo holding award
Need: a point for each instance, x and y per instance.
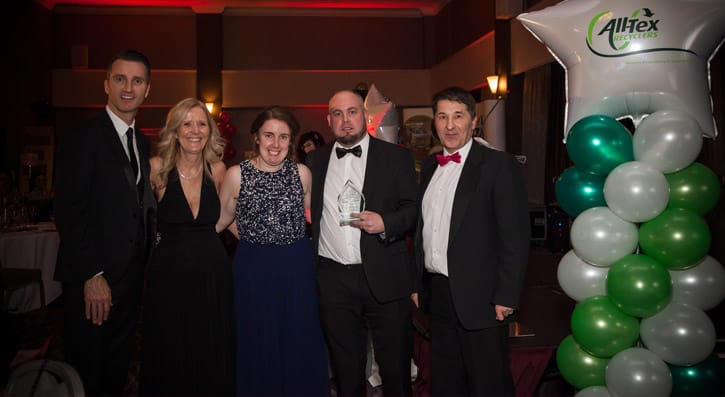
(363, 205)
(472, 241)
(103, 204)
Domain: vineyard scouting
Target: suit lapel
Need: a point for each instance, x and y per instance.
(371, 170)
(119, 154)
(464, 191)
(318, 186)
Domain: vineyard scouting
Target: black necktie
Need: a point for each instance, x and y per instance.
(341, 152)
(132, 153)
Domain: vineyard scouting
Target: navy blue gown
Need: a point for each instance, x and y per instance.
(280, 347)
(188, 336)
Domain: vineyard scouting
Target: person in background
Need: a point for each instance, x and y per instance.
(188, 299)
(103, 210)
(280, 348)
(364, 273)
(308, 142)
(472, 241)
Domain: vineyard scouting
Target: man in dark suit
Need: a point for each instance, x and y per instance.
(472, 240)
(363, 269)
(103, 204)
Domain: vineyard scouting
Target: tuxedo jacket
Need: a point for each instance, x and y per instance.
(390, 189)
(98, 211)
(489, 235)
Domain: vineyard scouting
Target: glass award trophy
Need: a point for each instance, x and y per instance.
(350, 200)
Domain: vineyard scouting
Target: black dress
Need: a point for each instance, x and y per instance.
(188, 337)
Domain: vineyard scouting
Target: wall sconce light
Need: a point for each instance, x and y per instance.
(210, 107)
(493, 83)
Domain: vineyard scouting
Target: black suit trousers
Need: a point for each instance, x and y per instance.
(465, 362)
(347, 308)
(102, 354)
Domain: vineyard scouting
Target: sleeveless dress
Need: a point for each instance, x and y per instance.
(280, 347)
(188, 336)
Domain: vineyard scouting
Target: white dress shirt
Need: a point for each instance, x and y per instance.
(341, 243)
(437, 208)
(121, 128)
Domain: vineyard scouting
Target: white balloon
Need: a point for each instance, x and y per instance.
(702, 286)
(668, 140)
(579, 279)
(638, 372)
(679, 334)
(600, 237)
(636, 192)
(633, 57)
(593, 391)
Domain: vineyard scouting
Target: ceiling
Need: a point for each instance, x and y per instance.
(425, 7)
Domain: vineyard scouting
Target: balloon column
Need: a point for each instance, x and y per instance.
(639, 268)
(227, 131)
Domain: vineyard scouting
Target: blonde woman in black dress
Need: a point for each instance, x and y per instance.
(188, 345)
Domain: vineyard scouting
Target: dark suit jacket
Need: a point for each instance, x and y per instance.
(390, 190)
(97, 204)
(489, 235)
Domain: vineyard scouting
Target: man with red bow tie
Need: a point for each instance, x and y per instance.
(472, 245)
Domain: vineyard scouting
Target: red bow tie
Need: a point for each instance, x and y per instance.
(443, 160)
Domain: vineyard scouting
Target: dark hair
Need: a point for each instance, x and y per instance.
(276, 113)
(131, 56)
(455, 94)
(313, 136)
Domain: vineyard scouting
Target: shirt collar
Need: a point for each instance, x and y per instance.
(463, 151)
(364, 144)
(120, 125)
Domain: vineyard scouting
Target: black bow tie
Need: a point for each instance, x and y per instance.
(341, 152)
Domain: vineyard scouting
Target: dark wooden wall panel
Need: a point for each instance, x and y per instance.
(168, 40)
(282, 42)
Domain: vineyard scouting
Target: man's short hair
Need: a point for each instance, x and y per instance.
(131, 56)
(455, 94)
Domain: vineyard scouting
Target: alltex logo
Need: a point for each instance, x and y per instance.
(615, 37)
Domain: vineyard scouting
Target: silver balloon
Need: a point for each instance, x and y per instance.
(638, 372)
(616, 70)
(702, 285)
(636, 191)
(579, 279)
(593, 391)
(668, 140)
(601, 238)
(679, 334)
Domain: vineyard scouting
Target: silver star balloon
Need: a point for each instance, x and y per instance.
(631, 58)
(382, 121)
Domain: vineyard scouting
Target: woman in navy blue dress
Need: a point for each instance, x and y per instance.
(280, 347)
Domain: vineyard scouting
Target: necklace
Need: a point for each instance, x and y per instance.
(198, 171)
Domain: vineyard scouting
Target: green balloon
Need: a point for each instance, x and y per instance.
(639, 286)
(578, 367)
(601, 328)
(597, 144)
(577, 191)
(695, 187)
(677, 238)
(702, 379)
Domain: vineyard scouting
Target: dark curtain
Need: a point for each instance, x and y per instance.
(557, 159)
(542, 126)
(535, 120)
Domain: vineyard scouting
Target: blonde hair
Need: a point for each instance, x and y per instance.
(169, 144)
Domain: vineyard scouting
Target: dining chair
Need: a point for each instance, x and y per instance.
(13, 279)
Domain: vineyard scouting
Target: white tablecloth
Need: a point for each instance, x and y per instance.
(33, 249)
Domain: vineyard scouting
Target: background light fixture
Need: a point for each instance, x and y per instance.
(209, 106)
(493, 83)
